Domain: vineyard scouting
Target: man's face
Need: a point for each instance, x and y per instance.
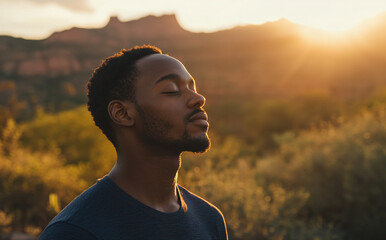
(170, 113)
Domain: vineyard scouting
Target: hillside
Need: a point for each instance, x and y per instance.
(277, 59)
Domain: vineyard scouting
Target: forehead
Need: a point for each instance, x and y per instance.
(155, 66)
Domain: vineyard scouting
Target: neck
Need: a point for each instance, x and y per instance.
(150, 177)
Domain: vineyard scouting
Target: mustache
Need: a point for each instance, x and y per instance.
(197, 110)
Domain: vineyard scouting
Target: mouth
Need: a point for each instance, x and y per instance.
(199, 118)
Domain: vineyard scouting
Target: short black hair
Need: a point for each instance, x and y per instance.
(114, 79)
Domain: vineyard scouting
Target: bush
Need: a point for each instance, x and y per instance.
(73, 134)
(343, 168)
(27, 180)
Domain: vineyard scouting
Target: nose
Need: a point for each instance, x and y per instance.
(196, 100)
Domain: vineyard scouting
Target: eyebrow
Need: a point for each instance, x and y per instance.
(172, 76)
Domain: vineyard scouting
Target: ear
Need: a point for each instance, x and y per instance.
(121, 112)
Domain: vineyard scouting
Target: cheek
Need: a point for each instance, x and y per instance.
(170, 114)
(167, 109)
(159, 111)
(170, 109)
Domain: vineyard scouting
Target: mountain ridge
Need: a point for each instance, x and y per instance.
(271, 59)
(114, 19)
(145, 27)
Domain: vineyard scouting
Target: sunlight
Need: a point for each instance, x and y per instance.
(334, 23)
(328, 16)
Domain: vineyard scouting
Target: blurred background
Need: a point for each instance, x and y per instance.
(296, 98)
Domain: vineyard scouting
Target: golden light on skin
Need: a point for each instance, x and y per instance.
(26, 18)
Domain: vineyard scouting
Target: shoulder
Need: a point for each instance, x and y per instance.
(83, 204)
(197, 202)
(91, 204)
(66, 231)
(200, 206)
(205, 211)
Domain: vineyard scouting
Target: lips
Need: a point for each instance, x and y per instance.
(198, 116)
(199, 119)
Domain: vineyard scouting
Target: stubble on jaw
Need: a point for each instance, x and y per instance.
(156, 132)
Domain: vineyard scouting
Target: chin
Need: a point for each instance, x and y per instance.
(197, 145)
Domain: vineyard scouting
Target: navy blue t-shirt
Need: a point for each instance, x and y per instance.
(105, 211)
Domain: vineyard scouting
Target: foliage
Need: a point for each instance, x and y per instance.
(75, 136)
(10, 104)
(27, 179)
(342, 167)
(257, 121)
(5, 223)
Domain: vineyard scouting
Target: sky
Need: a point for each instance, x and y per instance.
(37, 19)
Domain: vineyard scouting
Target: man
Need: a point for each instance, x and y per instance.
(147, 105)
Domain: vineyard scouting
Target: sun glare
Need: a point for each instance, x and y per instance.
(332, 23)
(330, 16)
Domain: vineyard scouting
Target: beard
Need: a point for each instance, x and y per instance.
(156, 132)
